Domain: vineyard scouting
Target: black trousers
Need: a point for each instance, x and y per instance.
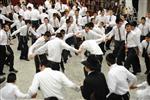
(5, 56)
(38, 59)
(24, 47)
(147, 62)
(102, 46)
(114, 96)
(132, 60)
(119, 52)
(108, 29)
(2, 58)
(53, 65)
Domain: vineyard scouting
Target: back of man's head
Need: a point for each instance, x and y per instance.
(11, 78)
(110, 59)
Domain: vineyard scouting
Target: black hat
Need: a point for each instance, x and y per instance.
(148, 35)
(91, 62)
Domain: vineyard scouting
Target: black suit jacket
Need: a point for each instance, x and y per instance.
(95, 87)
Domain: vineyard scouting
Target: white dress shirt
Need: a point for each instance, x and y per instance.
(18, 24)
(3, 37)
(38, 43)
(111, 20)
(79, 21)
(86, 19)
(27, 15)
(4, 18)
(15, 16)
(115, 32)
(144, 44)
(63, 20)
(35, 15)
(72, 29)
(43, 28)
(144, 29)
(82, 11)
(23, 31)
(55, 22)
(42, 16)
(51, 12)
(92, 46)
(89, 35)
(100, 19)
(119, 79)
(51, 83)
(54, 49)
(100, 31)
(131, 40)
(137, 35)
(148, 20)
(11, 92)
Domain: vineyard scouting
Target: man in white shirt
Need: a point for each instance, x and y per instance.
(43, 15)
(91, 48)
(86, 19)
(54, 49)
(27, 14)
(46, 26)
(51, 83)
(111, 22)
(119, 80)
(3, 19)
(148, 18)
(39, 42)
(6, 51)
(54, 21)
(17, 24)
(131, 48)
(35, 16)
(145, 50)
(118, 32)
(24, 35)
(144, 27)
(10, 91)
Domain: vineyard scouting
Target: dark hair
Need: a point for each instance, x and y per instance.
(87, 25)
(143, 18)
(110, 58)
(148, 78)
(28, 22)
(11, 78)
(46, 18)
(47, 33)
(0, 11)
(119, 20)
(67, 21)
(91, 25)
(19, 16)
(59, 35)
(134, 23)
(62, 31)
(128, 24)
(44, 10)
(54, 14)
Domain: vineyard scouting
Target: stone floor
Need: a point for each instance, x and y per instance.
(74, 71)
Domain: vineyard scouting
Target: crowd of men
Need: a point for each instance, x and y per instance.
(57, 30)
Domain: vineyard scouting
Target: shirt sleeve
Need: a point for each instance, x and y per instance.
(131, 78)
(66, 46)
(42, 49)
(68, 83)
(19, 94)
(34, 87)
(112, 84)
(16, 32)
